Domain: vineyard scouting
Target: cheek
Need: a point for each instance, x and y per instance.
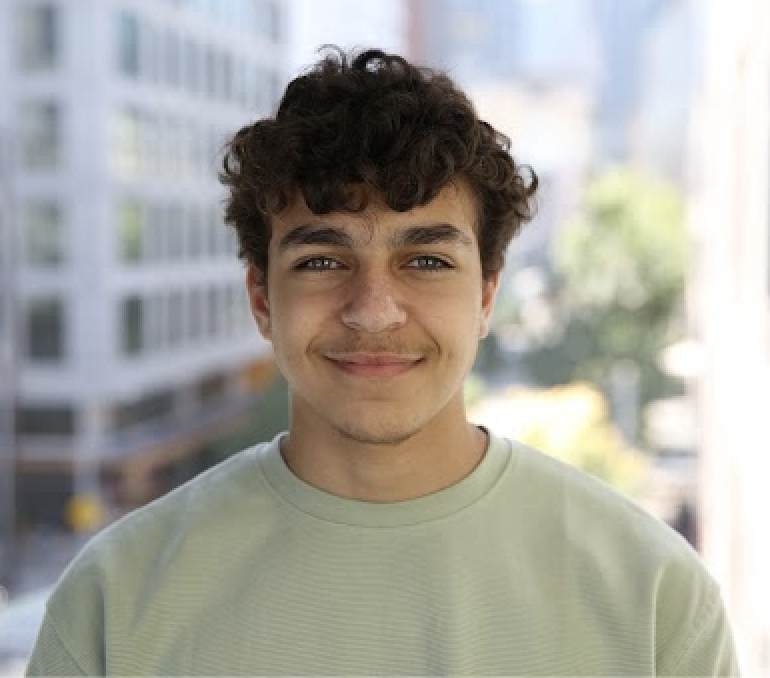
(461, 322)
(294, 327)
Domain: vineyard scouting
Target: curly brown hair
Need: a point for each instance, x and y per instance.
(372, 119)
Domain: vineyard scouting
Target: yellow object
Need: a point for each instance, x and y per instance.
(85, 513)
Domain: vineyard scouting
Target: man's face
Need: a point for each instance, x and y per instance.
(375, 317)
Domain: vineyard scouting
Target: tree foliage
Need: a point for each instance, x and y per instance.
(618, 291)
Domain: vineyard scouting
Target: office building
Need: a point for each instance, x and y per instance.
(127, 339)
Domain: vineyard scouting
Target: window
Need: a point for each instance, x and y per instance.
(197, 148)
(127, 142)
(185, 148)
(227, 76)
(151, 147)
(176, 318)
(128, 44)
(132, 324)
(191, 66)
(45, 420)
(169, 139)
(194, 313)
(229, 296)
(214, 235)
(44, 239)
(38, 37)
(155, 321)
(239, 82)
(175, 228)
(150, 52)
(41, 134)
(231, 240)
(130, 240)
(155, 235)
(172, 66)
(212, 312)
(211, 72)
(45, 330)
(194, 235)
(151, 407)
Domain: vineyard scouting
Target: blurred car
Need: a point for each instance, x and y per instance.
(20, 621)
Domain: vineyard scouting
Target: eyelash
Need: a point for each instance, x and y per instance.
(312, 264)
(438, 264)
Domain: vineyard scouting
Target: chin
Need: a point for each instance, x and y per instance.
(378, 434)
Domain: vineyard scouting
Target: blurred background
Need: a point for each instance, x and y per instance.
(631, 333)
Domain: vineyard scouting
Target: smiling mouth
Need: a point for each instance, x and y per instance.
(374, 364)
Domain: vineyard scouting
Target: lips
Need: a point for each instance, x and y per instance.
(374, 364)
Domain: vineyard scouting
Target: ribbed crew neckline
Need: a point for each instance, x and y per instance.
(332, 508)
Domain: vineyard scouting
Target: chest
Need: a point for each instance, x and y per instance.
(417, 605)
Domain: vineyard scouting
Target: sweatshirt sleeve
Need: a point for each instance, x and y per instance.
(71, 639)
(51, 657)
(699, 640)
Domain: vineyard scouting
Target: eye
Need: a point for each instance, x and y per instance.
(429, 263)
(318, 264)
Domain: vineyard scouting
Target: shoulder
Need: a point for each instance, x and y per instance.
(149, 541)
(621, 557)
(607, 538)
(205, 499)
(589, 507)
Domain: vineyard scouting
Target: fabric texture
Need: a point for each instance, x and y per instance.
(525, 567)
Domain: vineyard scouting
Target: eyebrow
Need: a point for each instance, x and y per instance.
(310, 234)
(430, 234)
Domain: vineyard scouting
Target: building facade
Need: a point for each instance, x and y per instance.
(131, 339)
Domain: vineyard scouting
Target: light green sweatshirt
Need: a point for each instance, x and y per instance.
(525, 567)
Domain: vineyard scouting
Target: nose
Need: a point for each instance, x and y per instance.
(372, 305)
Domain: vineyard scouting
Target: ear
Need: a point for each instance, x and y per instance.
(488, 295)
(260, 305)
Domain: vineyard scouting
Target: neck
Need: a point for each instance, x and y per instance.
(421, 465)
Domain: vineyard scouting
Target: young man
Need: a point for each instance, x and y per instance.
(383, 534)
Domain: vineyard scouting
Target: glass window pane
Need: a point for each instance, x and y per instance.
(41, 134)
(44, 238)
(126, 148)
(191, 66)
(155, 240)
(128, 44)
(132, 325)
(38, 37)
(45, 330)
(212, 312)
(45, 420)
(210, 72)
(130, 236)
(194, 313)
(176, 232)
(194, 234)
(172, 58)
(175, 318)
(155, 322)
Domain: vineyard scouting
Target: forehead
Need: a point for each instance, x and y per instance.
(454, 204)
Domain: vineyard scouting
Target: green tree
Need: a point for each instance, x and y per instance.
(620, 270)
